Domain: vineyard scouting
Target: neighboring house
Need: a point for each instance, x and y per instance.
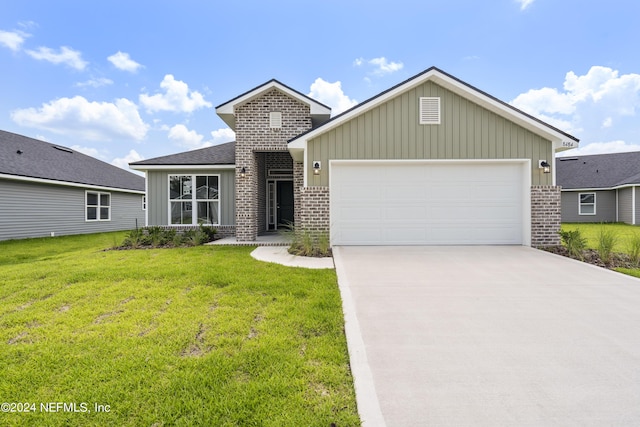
(600, 188)
(430, 161)
(48, 190)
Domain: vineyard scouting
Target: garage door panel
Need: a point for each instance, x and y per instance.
(427, 203)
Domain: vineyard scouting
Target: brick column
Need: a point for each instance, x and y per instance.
(246, 195)
(314, 209)
(545, 215)
(298, 182)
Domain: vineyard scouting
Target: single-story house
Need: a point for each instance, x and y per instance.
(600, 188)
(430, 161)
(50, 190)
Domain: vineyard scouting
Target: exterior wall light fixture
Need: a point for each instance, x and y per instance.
(546, 167)
(317, 166)
(243, 172)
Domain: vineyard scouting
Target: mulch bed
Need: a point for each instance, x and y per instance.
(591, 256)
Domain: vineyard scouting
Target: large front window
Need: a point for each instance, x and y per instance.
(194, 199)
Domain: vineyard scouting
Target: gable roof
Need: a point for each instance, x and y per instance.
(222, 154)
(561, 140)
(30, 159)
(319, 112)
(598, 171)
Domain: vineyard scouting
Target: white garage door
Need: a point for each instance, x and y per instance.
(429, 202)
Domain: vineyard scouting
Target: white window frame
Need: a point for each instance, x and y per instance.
(193, 200)
(580, 204)
(144, 202)
(98, 207)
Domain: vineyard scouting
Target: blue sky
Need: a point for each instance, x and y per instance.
(125, 81)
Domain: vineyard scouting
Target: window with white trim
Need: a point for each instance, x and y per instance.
(97, 206)
(144, 203)
(194, 199)
(587, 203)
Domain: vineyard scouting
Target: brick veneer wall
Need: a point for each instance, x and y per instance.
(314, 209)
(545, 215)
(254, 135)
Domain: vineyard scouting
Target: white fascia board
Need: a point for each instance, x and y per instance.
(617, 187)
(68, 184)
(491, 104)
(227, 111)
(180, 167)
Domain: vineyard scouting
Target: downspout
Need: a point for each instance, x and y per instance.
(633, 205)
(617, 205)
(146, 198)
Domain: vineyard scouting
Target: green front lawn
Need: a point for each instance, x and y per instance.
(189, 336)
(623, 232)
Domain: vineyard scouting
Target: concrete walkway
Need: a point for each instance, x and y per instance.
(489, 336)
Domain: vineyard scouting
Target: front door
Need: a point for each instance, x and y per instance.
(284, 203)
(279, 203)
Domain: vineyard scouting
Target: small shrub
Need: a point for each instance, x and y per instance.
(305, 242)
(133, 239)
(157, 236)
(209, 232)
(607, 240)
(634, 249)
(574, 242)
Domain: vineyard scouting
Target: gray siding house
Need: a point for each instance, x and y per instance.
(50, 190)
(429, 161)
(600, 188)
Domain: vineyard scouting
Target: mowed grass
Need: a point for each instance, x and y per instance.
(624, 234)
(169, 337)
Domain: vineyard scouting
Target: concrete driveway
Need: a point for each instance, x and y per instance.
(489, 336)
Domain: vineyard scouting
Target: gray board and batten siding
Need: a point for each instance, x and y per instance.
(392, 131)
(158, 194)
(31, 209)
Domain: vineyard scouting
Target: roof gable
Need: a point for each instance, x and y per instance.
(319, 112)
(28, 158)
(598, 171)
(222, 154)
(561, 140)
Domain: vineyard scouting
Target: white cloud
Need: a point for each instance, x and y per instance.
(188, 138)
(88, 120)
(331, 94)
(176, 98)
(89, 151)
(67, 56)
(384, 66)
(223, 135)
(524, 3)
(122, 61)
(95, 83)
(601, 148)
(588, 102)
(381, 66)
(123, 162)
(12, 39)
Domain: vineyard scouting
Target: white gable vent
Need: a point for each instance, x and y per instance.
(275, 120)
(429, 110)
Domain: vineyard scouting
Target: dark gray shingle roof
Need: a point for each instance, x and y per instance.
(222, 154)
(32, 158)
(598, 171)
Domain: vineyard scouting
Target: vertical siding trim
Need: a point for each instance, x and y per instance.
(633, 205)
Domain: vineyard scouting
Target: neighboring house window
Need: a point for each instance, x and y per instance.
(587, 203)
(194, 199)
(98, 206)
